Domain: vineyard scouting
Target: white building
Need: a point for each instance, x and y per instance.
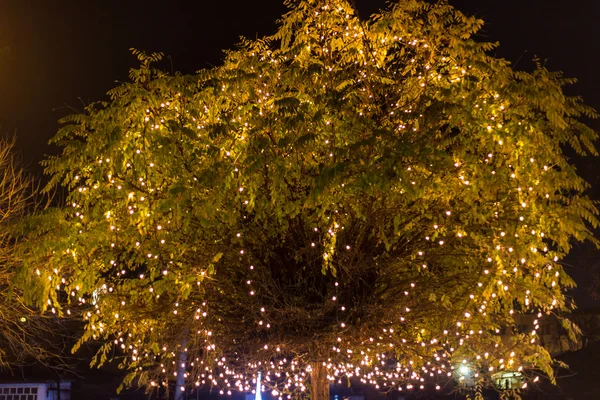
(35, 391)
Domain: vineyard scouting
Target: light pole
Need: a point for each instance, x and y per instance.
(258, 395)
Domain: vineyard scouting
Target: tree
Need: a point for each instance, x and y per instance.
(25, 335)
(344, 199)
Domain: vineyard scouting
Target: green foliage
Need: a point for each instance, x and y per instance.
(358, 193)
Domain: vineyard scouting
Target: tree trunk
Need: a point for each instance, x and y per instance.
(181, 364)
(319, 384)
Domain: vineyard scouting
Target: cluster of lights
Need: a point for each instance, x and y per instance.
(507, 264)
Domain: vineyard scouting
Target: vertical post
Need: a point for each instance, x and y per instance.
(258, 394)
(319, 384)
(181, 364)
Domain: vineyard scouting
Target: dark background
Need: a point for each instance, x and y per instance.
(67, 53)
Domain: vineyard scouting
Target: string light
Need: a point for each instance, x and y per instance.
(224, 191)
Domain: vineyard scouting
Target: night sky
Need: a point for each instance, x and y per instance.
(67, 53)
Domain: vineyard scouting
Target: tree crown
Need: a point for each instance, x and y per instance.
(380, 196)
